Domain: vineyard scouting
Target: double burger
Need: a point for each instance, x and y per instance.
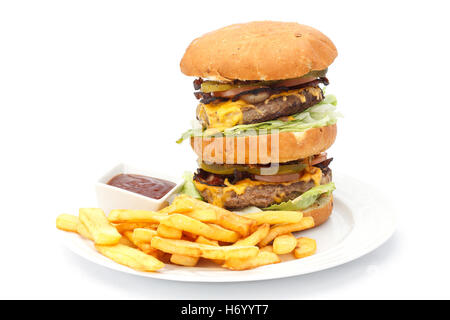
(264, 121)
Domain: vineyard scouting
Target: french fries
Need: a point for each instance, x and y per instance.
(185, 223)
(130, 257)
(190, 229)
(305, 247)
(305, 223)
(224, 218)
(169, 232)
(276, 217)
(284, 244)
(263, 258)
(194, 249)
(122, 215)
(99, 227)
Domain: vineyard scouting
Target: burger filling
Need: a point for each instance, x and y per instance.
(240, 108)
(227, 114)
(225, 105)
(246, 186)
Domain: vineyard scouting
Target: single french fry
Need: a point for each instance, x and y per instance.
(228, 252)
(98, 226)
(130, 226)
(144, 235)
(267, 249)
(181, 247)
(67, 222)
(83, 231)
(263, 258)
(173, 208)
(225, 234)
(305, 247)
(276, 217)
(130, 257)
(169, 232)
(184, 260)
(224, 218)
(255, 237)
(214, 232)
(124, 215)
(284, 244)
(194, 249)
(203, 240)
(305, 223)
(202, 215)
(168, 209)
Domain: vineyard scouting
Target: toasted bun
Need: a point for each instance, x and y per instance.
(320, 210)
(261, 50)
(262, 149)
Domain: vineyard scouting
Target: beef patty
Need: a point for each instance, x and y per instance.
(265, 195)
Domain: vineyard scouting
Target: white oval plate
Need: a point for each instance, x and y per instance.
(361, 221)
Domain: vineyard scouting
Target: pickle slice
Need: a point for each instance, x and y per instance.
(212, 86)
(317, 73)
(228, 169)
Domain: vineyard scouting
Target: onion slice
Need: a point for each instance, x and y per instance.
(278, 178)
(294, 82)
(319, 158)
(232, 92)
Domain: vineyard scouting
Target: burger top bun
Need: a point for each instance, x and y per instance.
(260, 50)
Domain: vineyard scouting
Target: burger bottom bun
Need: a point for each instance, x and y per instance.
(321, 210)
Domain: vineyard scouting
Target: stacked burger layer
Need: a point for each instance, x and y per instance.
(264, 120)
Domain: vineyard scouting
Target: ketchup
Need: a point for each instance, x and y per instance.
(147, 186)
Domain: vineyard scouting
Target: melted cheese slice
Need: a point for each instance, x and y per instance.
(316, 92)
(221, 194)
(224, 114)
(312, 173)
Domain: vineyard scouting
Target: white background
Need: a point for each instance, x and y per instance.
(87, 84)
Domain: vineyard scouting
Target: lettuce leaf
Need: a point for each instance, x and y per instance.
(189, 187)
(305, 200)
(322, 114)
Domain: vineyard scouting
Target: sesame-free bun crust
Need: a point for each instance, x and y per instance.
(262, 149)
(321, 210)
(260, 50)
